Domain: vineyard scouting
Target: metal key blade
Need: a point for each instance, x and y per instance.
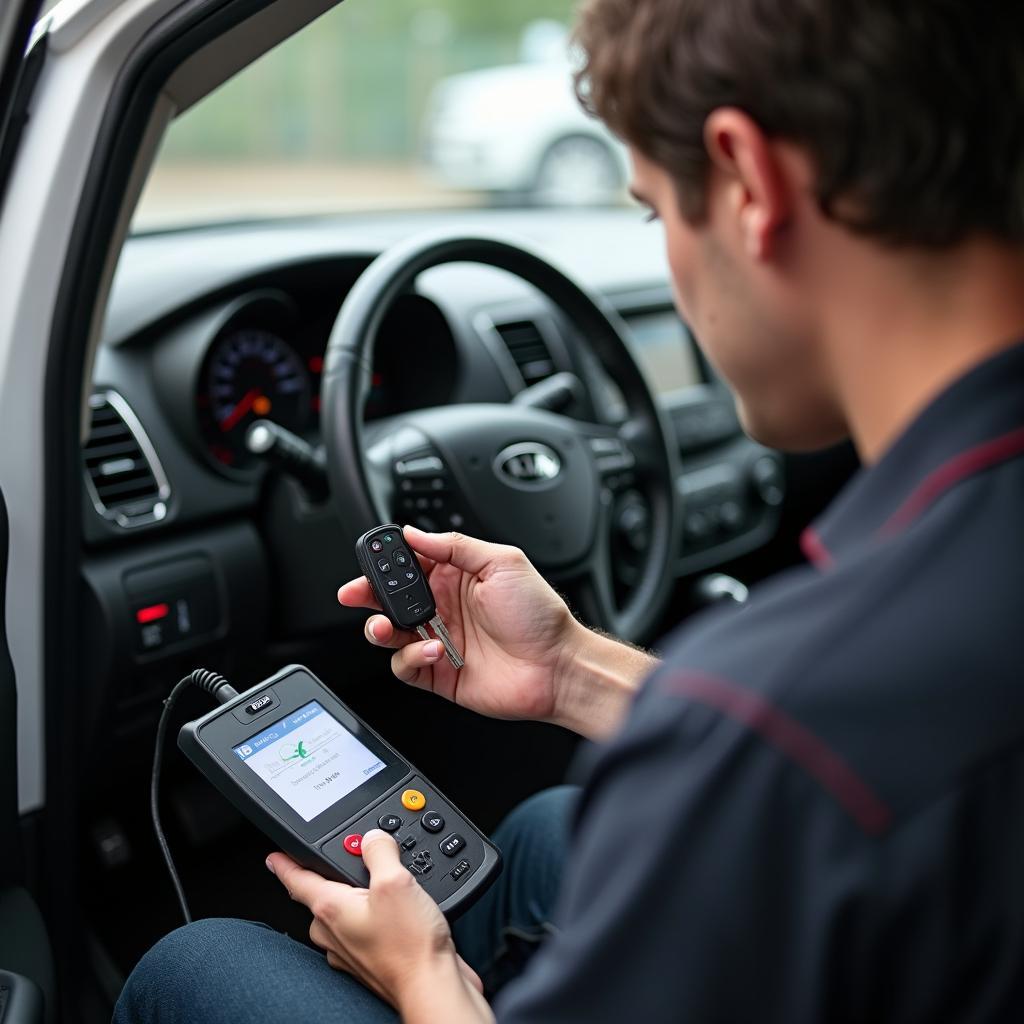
(422, 630)
(437, 624)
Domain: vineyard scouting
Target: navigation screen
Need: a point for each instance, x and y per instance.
(309, 759)
(666, 351)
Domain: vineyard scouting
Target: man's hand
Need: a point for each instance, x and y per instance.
(511, 627)
(391, 937)
(526, 656)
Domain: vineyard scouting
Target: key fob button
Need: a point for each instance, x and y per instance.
(389, 822)
(354, 844)
(460, 869)
(432, 821)
(452, 845)
(408, 843)
(394, 570)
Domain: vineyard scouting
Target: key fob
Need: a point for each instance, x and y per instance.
(396, 576)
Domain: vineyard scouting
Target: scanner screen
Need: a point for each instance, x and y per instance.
(309, 759)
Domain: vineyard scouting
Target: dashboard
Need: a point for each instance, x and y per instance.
(265, 362)
(209, 330)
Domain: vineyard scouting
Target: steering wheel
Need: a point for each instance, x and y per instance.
(508, 472)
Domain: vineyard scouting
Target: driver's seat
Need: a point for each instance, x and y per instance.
(26, 963)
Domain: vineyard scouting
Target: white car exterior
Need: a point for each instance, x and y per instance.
(520, 129)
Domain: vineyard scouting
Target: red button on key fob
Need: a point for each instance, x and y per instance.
(354, 844)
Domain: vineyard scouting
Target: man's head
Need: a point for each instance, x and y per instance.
(785, 143)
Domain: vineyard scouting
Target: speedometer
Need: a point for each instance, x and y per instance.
(250, 374)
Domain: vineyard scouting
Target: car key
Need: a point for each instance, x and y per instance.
(401, 586)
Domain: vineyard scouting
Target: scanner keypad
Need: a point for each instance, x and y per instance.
(425, 850)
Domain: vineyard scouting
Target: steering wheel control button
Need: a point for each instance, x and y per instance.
(426, 465)
(611, 455)
(452, 845)
(432, 821)
(413, 800)
(730, 515)
(389, 822)
(460, 869)
(408, 843)
(354, 844)
(376, 547)
(768, 480)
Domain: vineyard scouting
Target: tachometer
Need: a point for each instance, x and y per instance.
(250, 374)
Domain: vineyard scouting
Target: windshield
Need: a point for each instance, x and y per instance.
(397, 105)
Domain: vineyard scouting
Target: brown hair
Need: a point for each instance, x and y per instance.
(910, 109)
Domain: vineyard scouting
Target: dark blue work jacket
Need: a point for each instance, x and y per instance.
(815, 812)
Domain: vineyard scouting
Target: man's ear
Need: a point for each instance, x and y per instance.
(758, 188)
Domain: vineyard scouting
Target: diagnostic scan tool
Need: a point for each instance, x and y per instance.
(313, 777)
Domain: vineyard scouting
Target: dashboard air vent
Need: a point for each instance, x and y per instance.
(528, 348)
(123, 476)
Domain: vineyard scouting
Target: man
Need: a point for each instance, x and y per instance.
(812, 810)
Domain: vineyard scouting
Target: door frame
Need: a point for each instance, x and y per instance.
(149, 43)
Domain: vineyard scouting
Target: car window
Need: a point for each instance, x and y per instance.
(406, 104)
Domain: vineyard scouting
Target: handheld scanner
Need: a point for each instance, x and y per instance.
(313, 777)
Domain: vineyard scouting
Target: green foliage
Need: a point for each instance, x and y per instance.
(485, 16)
(354, 85)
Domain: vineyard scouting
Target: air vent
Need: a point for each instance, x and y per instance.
(528, 348)
(122, 473)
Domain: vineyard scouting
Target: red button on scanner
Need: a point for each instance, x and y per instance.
(354, 844)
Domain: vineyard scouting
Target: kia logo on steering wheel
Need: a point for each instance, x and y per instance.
(528, 465)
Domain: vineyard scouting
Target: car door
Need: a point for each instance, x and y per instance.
(82, 119)
(26, 966)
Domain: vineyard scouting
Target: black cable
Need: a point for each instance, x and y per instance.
(221, 690)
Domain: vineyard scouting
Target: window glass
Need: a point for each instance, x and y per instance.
(392, 105)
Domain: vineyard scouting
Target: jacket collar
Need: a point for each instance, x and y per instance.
(975, 423)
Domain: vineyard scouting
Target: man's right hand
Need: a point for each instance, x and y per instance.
(526, 656)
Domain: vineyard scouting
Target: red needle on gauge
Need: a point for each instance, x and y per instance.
(239, 411)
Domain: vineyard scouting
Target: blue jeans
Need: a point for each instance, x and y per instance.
(218, 971)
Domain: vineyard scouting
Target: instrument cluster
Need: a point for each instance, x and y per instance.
(266, 362)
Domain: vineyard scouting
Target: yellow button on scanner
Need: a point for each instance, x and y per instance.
(413, 800)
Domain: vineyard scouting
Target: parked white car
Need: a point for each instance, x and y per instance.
(519, 131)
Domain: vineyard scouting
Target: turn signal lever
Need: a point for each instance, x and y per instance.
(555, 393)
(290, 454)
